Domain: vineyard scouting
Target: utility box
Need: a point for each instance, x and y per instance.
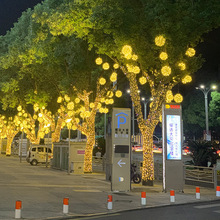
(61, 152)
(121, 150)
(172, 147)
(77, 153)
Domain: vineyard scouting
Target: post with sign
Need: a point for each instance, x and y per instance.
(121, 157)
(172, 148)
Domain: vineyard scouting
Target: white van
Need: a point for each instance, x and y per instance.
(38, 154)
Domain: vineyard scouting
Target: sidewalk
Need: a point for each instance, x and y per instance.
(123, 201)
(42, 190)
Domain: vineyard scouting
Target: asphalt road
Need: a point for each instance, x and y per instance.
(202, 211)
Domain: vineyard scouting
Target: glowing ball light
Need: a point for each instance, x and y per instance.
(116, 66)
(102, 81)
(105, 66)
(134, 57)
(187, 79)
(98, 61)
(178, 98)
(70, 106)
(77, 100)
(142, 80)
(160, 41)
(182, 65)
(166, 70)
(190, 52)
(163, 56)
(113, 77)
(118, 93)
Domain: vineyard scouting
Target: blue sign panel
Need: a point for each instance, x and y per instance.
(121, 119)
(174, 150)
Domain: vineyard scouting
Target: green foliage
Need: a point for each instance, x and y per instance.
(214, 109)
(193, 114)
(202, 152)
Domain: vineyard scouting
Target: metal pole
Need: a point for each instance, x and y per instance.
(133, 120)
(47, 148)
(145, 110)
(69, 155)
(206, 113)
(105, 126)
(21, 146)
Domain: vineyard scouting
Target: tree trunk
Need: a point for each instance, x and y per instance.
(8, 147)
(148, 157)
(57, 130)
(88, 152)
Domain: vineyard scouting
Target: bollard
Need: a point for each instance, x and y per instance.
(65, 205)
(109, 201)
(218, 191)
(143, 198)
(18, 209)
(197, 192)
(172, 196)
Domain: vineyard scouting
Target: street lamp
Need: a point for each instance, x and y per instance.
(132, 112)
(205, 91)
(145, 101)
(68, 121)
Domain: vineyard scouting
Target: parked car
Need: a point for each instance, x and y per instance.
(38, 154)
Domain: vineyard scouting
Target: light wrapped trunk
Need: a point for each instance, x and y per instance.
(148, 158)
(88, 152)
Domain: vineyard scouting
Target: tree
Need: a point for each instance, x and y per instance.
(154, 39)
(193, 115)
(214, 112)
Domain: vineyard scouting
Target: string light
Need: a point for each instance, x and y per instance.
(163, 56)
(182, 65)
(142, 80)
(190, 52)
(116, 66)
(118, 93)
(178, 98)
(98, 61)
(166, 70)
(105, 66)
(102, 81)
(160, 41)
(187, 79)
(113, 77)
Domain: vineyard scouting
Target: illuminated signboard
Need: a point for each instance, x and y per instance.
(173, 137)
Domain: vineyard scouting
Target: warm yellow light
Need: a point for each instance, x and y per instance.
(169, 96)
(116, 66)
(178, 98)
(182, 65)
(136, 69)
(113, 77)
(59, 99)
(111, 101)
(77, 120)
(190, 52)
(70, 113)
(126, 49)
(118, 93)
(102, 100)
(105, 66)
(68, 120)
(142, 80)
(160, 41)
(19, 108)
(74, 128)
(87, 114)
(163, 56)
(134, 57)
(110, 94)
(77, 100)
(187, 79)
(102, 81)
(70, 106)
(35, 117)
(98, 61)
(91, 105)
(99, 105)
(40, 115)
(105, 110)
(67, 98)
(166, 70)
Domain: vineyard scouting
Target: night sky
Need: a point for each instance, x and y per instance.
(11, 10)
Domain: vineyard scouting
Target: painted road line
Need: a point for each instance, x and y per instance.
(86, 190)
(206, 206)
(96, 217)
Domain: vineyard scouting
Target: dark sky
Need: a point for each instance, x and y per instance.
(11, 10)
